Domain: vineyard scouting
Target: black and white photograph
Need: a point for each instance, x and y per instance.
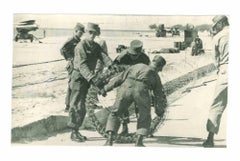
(119, 80)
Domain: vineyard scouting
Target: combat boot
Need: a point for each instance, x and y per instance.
(109, 141)
(76, 136)
(209, 143)
(139, 141)
(124, 129)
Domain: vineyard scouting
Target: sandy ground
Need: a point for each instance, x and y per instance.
(185, 125)
(39, 90)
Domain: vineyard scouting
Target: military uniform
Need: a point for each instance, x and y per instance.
(67, 51)
(127, 58)
(86, 55)
(197, 47)
(220, 96)
(136, 83)
(92, 97)
(220, 42)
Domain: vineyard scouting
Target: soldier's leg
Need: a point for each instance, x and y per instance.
(120, 106)
(143, 102)
(125, 121)
(216, 110)
(67, 99)
(77, 110)
(123, 101)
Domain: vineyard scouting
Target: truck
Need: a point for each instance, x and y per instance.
(23, 28)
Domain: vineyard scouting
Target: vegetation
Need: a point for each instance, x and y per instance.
(153, 26)
(203, 27)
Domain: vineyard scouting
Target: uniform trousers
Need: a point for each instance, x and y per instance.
(79, 89)
(219, 102)
(131, 91)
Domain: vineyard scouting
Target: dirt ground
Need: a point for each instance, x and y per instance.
(38, 91)
(185, 125)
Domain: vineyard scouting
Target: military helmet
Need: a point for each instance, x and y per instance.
(218, 18)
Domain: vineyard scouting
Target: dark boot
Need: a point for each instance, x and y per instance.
(76, 136)
(109, 141)
(209, 143)
(124, 129)
(139, 141)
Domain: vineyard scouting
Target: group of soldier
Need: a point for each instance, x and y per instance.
(138, 82)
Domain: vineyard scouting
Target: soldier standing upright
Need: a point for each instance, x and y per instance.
(92, 97)
(221, 38)
(67, 51)
(131, 56)
(87, 52)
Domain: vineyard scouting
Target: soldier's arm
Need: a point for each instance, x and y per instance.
(105, 58)
(120, 58)
(100, 65)
(160, 100)
(116, 81)
(67, 50)
(223, 46)
(104, 47)
(147, 60)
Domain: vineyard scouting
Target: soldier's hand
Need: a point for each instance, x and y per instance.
(115, 68)
(102, 92)
(97, 82)
(159, 112)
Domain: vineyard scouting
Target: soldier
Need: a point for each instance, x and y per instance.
(87, 52)
(133, 55)
(92, 97)
(221, 38)
(136, 84)
(67, 51)
(197, 46)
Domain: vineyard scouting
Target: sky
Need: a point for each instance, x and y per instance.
(107, 21)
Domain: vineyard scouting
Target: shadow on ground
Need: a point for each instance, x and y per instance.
(181, 141)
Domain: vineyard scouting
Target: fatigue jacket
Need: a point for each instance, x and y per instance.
(67, 51)
(145, 74)
(221, 90)
(221, 47)
(103, 45)
(86, 55)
